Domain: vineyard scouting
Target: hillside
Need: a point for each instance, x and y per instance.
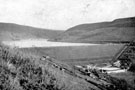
(26, 71)
(119, 30)
(10, 31)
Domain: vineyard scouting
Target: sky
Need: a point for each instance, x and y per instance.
(63, 14)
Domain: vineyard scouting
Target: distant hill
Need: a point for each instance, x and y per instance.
(119, 30)
(9, 31)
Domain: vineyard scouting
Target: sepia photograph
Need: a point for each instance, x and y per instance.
(67, 44)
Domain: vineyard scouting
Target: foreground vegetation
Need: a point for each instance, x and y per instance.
(19, 71)
(25, 71)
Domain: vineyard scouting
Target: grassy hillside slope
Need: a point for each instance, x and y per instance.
(119, 30)
(10, 31)
(26, 71)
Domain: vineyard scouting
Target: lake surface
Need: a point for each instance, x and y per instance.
(41, 43)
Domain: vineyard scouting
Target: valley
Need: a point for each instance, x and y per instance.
(99, 55)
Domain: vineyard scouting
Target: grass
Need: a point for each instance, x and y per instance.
(117, 31)
(129, 77)
(19, 71)
(25, 71)
(10, 31)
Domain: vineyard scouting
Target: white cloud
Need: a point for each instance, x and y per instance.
(62, 14)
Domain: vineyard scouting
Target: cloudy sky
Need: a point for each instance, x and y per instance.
(62, 14)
